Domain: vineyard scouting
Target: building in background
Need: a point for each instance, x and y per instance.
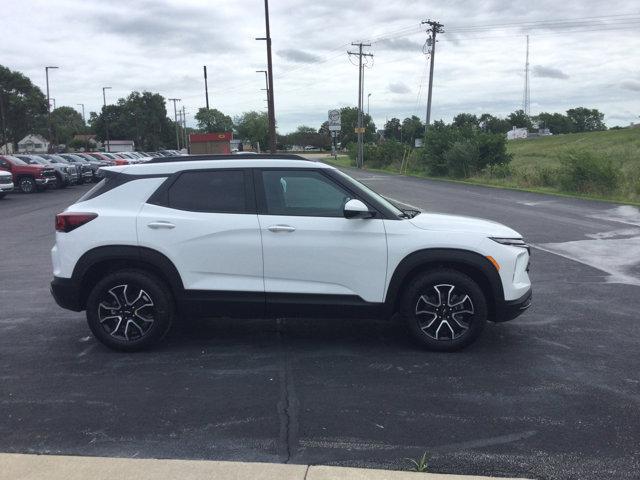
(122, 146)
(33, 143)
(210, 142)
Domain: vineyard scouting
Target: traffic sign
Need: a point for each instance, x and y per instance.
(359, 129)
(334, 120)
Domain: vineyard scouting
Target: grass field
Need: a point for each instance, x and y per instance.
(536, 164)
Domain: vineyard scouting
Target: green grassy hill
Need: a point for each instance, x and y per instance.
(620, 145)
(606, 164)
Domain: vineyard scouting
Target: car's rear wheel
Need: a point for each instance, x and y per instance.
(130, 310)
(445, 310)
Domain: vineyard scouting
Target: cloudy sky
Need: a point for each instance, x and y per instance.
(583, 53)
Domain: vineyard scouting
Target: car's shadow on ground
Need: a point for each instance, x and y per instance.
(315, 334)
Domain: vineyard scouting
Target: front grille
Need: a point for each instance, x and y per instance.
(48, 173)
(6, 179)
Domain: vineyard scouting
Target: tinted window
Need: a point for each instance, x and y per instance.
(306, 193)
(220, 191)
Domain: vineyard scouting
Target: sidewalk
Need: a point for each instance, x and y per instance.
(54, 467)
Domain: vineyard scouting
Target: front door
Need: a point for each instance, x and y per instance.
(312, 253)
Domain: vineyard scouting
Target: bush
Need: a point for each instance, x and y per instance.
(378, 156)
(462, 159)
(492, 148)
(584, 172)
(497, 170)
(437, 141)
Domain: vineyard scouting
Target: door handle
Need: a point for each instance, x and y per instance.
(160, 224)
(281, 228)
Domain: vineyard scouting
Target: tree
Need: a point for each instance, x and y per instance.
(519, 119)
(348, 123)
(212, 120)
(466, 120)
(491, 124)
(557, 123)
(392, 129)
(412, 128)
(24, 107)
(586, 120)
(65, 123)
(141, 117)
(253, 126)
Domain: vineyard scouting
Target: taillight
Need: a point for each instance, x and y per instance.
(67, 221)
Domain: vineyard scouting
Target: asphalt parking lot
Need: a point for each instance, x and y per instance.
(553, 394)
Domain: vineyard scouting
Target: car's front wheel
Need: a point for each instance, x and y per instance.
(130, 310)
(27, 185)
(445, 310)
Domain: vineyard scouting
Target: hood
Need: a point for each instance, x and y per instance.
(455, 223)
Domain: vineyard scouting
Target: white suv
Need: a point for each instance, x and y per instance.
(276, 236)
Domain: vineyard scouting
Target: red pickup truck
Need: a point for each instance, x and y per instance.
(28, 178)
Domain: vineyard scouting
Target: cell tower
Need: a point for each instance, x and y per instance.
(526, 97)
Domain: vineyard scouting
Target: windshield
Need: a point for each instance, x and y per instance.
(380, 198)
(16, 160)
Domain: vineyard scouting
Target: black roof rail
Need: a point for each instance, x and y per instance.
(237, 156)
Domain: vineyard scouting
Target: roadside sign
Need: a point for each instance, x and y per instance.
(359, 130)
(334, 120)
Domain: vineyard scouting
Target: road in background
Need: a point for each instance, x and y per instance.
(553, 394)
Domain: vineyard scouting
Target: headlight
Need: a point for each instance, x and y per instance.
(513, 242)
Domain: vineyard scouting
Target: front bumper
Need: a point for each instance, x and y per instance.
(6, 187)
(511, 309)
(66, 293)
(45, 181)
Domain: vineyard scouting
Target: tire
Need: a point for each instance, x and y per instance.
(444, 310)
(27, 185)
(130, 310)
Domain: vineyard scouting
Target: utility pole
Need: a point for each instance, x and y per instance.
(184, 127)
(4, 125)
(368, 98)
(175, 119)
(46, 73)
(206, 87)
(359, 129)
(435, 29)
(270, 101)
(526, 102)
(106, 117)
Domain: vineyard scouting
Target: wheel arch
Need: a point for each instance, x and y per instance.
(473, 264)
(100, 261)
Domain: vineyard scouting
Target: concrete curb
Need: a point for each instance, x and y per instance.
(56, 467)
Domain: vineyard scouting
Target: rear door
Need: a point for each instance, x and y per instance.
(312, 253)
(205, 222)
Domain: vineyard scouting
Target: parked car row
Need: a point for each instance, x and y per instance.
(30, 173)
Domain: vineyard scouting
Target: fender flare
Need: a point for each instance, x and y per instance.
(464, 259)
(138, 255)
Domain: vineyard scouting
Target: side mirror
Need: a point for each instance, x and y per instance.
(356, 209)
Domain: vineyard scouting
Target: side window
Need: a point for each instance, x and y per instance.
(302, 193)
(219, 191)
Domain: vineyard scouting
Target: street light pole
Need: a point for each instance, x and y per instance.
(106, 117)
(82, 105)
(46, 73)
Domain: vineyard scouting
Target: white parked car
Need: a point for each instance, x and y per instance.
(6, 183)
(276, 236)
